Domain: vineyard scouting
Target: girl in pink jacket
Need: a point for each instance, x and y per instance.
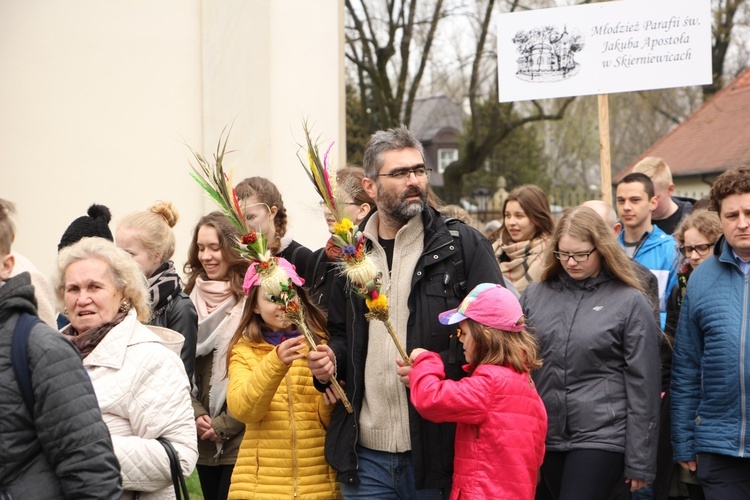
(501, 419)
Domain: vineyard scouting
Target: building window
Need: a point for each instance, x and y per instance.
(446, 157)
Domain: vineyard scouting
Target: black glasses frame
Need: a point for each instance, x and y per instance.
(578, 257)
(702, 249)
(402, 174)
(323, 203)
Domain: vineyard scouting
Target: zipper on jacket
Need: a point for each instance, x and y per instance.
(743, 397)
(357, 318)
(294, 434)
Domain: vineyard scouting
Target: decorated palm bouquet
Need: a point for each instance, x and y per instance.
(276, 276)
(356, 263)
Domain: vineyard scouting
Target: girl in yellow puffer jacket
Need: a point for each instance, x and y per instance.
(271, 390)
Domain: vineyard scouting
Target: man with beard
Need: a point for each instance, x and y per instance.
(385, 449)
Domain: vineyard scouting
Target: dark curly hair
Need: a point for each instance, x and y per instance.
(736, 180)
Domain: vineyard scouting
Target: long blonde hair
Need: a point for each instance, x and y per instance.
(583, 223)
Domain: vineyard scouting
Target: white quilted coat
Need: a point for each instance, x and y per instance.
(144, 394)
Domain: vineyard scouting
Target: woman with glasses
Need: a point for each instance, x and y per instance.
(695, 237)
(265, 213)
(599, 342)
(522, 239)
(323, 263)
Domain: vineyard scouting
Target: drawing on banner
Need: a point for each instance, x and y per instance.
(548, 53)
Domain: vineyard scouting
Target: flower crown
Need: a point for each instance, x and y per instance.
(275, 275)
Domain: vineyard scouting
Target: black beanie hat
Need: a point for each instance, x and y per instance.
(93, 224)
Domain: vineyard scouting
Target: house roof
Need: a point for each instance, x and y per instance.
(433, 114)
(712, 139)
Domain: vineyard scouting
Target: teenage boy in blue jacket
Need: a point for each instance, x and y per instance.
(642, 241)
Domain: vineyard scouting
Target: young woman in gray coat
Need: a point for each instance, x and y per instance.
(600, 381)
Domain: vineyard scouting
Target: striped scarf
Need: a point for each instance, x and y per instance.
(521, 262)
(163, 285)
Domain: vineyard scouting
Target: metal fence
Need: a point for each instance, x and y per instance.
(561, 200)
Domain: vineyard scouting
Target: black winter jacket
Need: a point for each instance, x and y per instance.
(319, 280)
(298, 255)
(435, 288)
(180, 315)
(64, 451)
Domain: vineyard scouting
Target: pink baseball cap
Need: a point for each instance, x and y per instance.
(488, 304)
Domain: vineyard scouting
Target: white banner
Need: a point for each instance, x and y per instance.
(603, 48)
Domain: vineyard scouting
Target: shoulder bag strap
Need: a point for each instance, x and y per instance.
(20, 359)
(178, 479)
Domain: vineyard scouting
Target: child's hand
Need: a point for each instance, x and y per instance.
(321, 364)
(416, 352)
(288, 350)
(403, 371)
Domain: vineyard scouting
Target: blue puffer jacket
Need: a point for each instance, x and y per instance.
(659, 254)
(710, 371)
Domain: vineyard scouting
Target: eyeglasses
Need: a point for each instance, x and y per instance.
(458, 333)
(578, 257)
(323, 203)
(401, 174)
(702, 249)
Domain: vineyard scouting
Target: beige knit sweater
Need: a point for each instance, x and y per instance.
(384, 419)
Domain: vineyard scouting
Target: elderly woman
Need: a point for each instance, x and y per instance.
(136, 371)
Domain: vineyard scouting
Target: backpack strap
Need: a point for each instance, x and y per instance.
(456, 265)
(457, 277)
(20, 359)
(294, 254)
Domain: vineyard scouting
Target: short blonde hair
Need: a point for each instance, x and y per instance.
(124, 271)
(7, 230)
(656, 169)
(155, 228)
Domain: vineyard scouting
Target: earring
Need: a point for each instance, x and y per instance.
(124, 306)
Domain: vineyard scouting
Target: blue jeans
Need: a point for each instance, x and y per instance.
(387, 476)
(645, 493)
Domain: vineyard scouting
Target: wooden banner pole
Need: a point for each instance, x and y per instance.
(604, 150)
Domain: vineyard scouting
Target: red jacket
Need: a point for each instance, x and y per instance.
(501, 427)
